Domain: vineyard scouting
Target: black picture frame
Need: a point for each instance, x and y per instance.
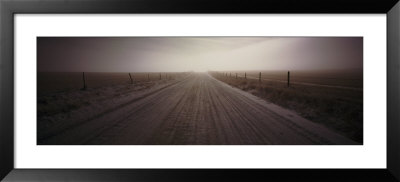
(8, 8)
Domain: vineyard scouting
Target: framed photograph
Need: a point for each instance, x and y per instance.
(122, 90)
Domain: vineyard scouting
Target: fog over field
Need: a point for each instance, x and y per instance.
(177, 54)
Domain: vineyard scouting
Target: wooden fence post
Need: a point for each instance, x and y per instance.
(84, 81)
(236, 75)
(160, 76)
(245, 77)
(259, 78)
(130, 78)
(288, 78)
(148, 77)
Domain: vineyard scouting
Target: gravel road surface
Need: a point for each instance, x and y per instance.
(198, 110)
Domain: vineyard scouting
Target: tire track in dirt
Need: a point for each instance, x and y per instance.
(134, 122)
(109, 115)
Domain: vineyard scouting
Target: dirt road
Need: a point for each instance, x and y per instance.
(197, 110)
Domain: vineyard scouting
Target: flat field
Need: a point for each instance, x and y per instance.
(60, 94)
(50, 82)
(196, 109)
(340, 78)
(333, 98)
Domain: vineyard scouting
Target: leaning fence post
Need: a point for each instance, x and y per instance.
(259, 78)
(130, 78)
(288, 78)
(84, 81)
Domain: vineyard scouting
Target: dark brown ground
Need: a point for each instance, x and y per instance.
(196, 110)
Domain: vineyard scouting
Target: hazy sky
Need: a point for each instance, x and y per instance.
(162, 54)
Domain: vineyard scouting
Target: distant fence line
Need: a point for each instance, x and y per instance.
(288, 81)
(245, 76)
(150, 77)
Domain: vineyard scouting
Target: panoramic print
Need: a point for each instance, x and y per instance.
(199, 90)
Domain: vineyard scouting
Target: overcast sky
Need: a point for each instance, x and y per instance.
(169, 54)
